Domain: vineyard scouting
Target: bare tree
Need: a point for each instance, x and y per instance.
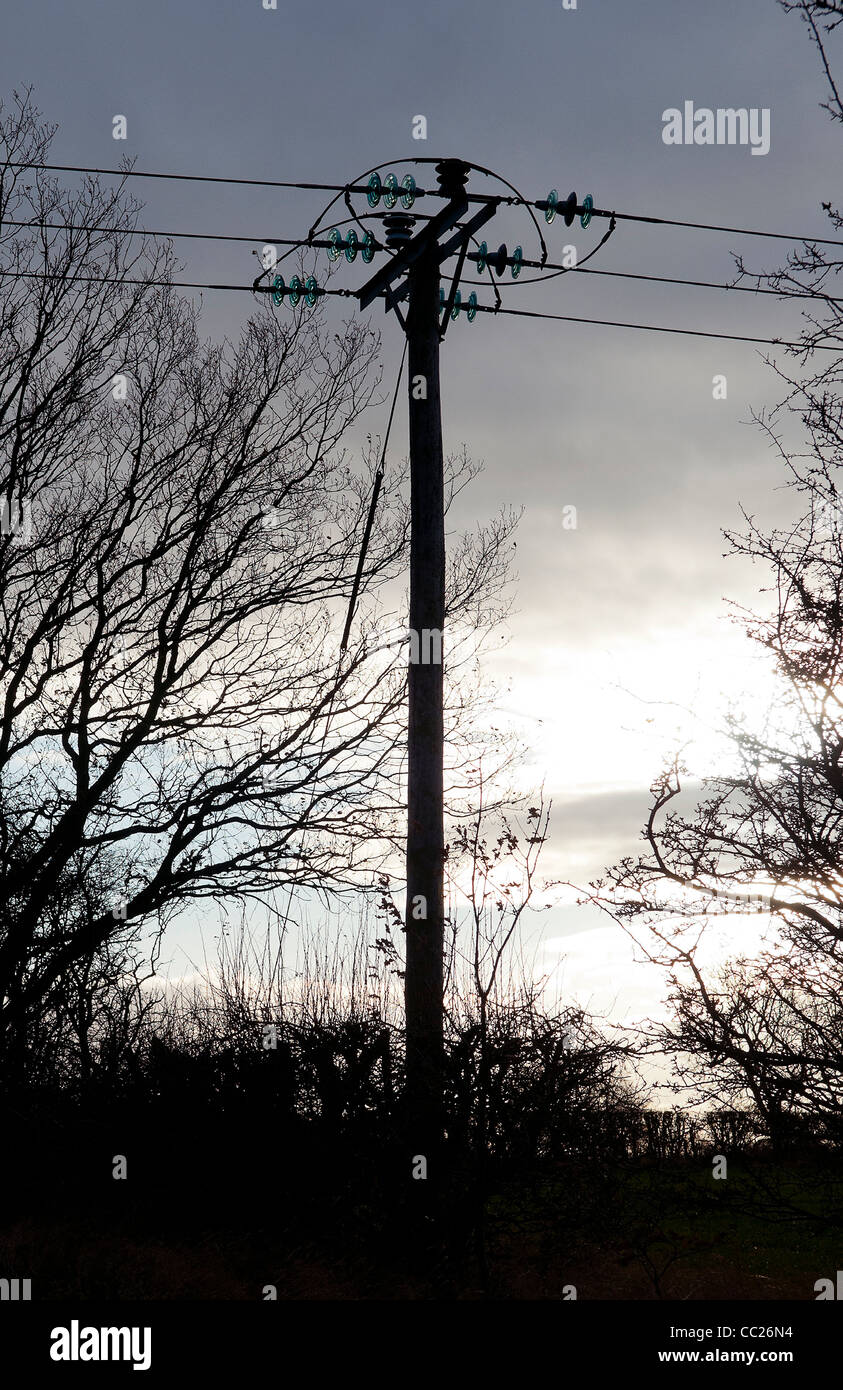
(181, 529)
(767, 840)
(499, 864)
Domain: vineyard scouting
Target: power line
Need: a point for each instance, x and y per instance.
(709, 285)
(140, 231)
(161, 284)
(188, 178)
(421, 192)
(379, 476)
(714, 227)
(481, 308)
(322, 243)
(554, 266)
(656, 328)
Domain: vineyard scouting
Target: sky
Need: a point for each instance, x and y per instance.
(620, 626)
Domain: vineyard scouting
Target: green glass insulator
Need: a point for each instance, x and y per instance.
(278, 290)
(390, 191)
(351, 246)
(408, 197)
(517, 258)
(294, 292)
(588, 204)
(373, 196)
(552, 203)
(335, 238)
(471, 311)
(367, 250)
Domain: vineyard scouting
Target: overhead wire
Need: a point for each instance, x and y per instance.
(341, 188)
(168, 235)
(551, 266)
(364, 546)
(661, 328)
(481, 308)
(379, 476)
(516, 198)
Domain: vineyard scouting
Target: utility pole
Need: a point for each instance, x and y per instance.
(413, 272)
(418, 260)
(425, 908)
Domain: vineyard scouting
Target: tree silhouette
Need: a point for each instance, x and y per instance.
(768, 838)
(181, 533)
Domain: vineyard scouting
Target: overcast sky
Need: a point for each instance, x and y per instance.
(627, 609)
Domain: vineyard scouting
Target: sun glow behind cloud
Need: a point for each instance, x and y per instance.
(599, 723)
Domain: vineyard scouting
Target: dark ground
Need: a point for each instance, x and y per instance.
(218, 1209)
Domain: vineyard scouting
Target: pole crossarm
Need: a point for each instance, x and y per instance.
(474, 225)
(442, 222)
(455, 243)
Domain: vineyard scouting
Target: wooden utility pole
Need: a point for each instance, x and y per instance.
(424, 920)
(418, 260)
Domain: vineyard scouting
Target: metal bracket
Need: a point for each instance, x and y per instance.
(443, 327)
(390, 301)
(461, 240)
